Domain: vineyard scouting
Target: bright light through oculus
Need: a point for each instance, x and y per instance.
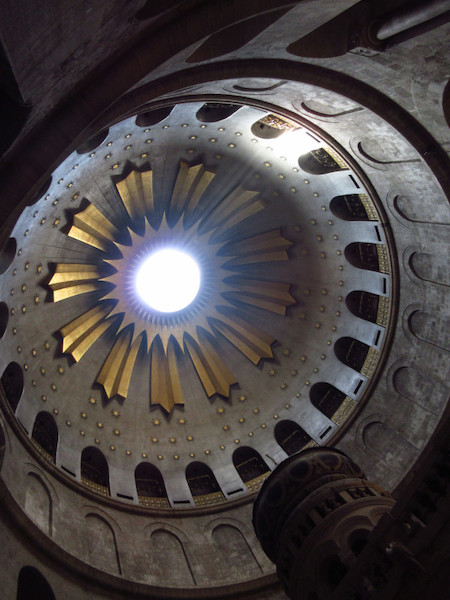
(168, 280)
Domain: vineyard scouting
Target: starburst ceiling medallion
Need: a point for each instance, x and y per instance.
(231, 284)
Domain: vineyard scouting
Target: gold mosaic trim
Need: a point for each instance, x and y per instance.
(154, 502)
(336, 157)
(96, 487)
(344, 411)
(278, 123)
(370, 363)
(43, 452)
(383, 258)
(208, 499)
(384, 310)
(254, 484)
(369, 207)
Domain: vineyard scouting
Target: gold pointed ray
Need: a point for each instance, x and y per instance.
(115, 374)
(265, 247)
(251, 341)
(73, 279)
(136, 193)
(165, 385)
(268, 295)
(92, 227)
(212, 371)
(233, 209)
(81, 333)
(190, 184)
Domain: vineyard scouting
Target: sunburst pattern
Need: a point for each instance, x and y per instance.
(229, 266)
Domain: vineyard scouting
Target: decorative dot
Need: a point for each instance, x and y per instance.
(334, 328)
(185, 125)
(97, 441)
(128, 135)
(191, 454)
(275, 416)
(220, 410)
(329, 343)
(322, 356)
(341, 283)
(144, 455)
(292, 189)
(68, 423)
(55, 411)
(272, 372)
(222, 447)
(287, 405)
(44, 398)
(82, 433)
(128, 452)
(203, 126)
(115, 166)
(340, 298)
(263, 426)
(281, 176)
(293, 372)
(36, 299)
(319, 238)
(297, 395)
(316, 195)
(53, 387)
(189, 438)
(172, 440)
(341, 268)
(182, 421)
(60, 369)
(144, 155)
(283, 386)
(39, 269)
(24, 309)
(108, 155)
(316, 370)
(226, 427)
(156, 422)
(55, 202)
(69, 185)
(12, 292)
(160, 457)
(306, 181)
(166, 126)
(83, 415)
(147, 130)
(322, 308)
(317, 325)
(154, 440)
(176, 457)
(303, 358)
(149, 141)
(302, 316)
(207, 451)
(116, 432)
(242, 420)
(338, 313)
(256, 411)
(231, 145)
(99, 425)
(112, 447)
(92, 400)
(13, 311)
(25, 366)
(307, 292)
(212, 140)
(115, 413)
(313, 222)
(238, 133)
(236, 441)
(307, 382)
(324, 292)
(14, 330)
(33, 383)
(330, 222)
(19, 349)
(192, 137)
(92, 154)
(323, 255)
(242, 398)
(218, 156)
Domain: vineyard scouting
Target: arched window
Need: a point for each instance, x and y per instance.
(326, 398)
(320, 161)
(290, 436)
(272, 126)
(94, 470)
(152, 117)
(211, 112)
(351, 352)
(32, 585)
(203, 485)
(45, 435)
(4, 317)
(7, 254)
(93, 142)
(363, 305)
(150, 486)
(349, 208)
(363, 255)
(249, 464)
(12, 384)
(2, 445)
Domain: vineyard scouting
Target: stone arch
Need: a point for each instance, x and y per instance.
(290, 436)
(94, 470)
(431, 328)
(326, 398)
(421, 388)
(234, 37)
(38, 503)
(169, 557)
(101, 544)
(12, 383)
(32, 585)
(7, 255)
(211, 112)
(351, 352)
(413, 210)
(249, 463)
(150, 486)
(45, 435)
(430, 267)
(235, 550)
(387, 445)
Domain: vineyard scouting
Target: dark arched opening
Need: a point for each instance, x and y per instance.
(7, 254)
(326, 398)
(203, 484)
(45, 435)
(249, 464)
(363, 305)
(319, 162)
(290, 436)
(349, 208)
(351, 352)
(4, 317)
(94, 470)
(93, 142)
(152, 117)
(211, 112)
(12, 384)
(150, 486)
(363, 255)
(32, 585)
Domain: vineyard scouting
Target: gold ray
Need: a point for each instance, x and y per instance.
(233, 209)
(214, 375)
(92, 227)
(165, 382)
(201, 183)
(265, 247)
(268, 295)
(190, 184)
(73, 279)
(251, 341)
(81, 333)
(136, 192)
(115, 375)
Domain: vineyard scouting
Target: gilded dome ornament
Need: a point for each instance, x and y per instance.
(230, 267)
